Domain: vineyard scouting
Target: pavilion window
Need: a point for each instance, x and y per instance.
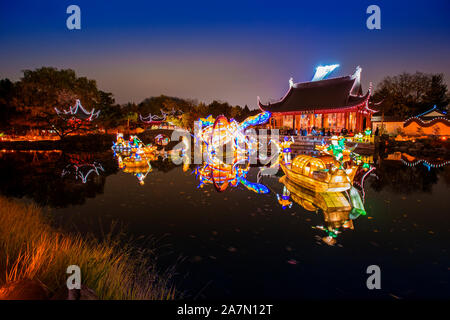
(303, 121)
(332, 121)
(352, 121)
(340, 121)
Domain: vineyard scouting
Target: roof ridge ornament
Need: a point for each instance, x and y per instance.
(291, 82)
(356, 88)
(357, 73)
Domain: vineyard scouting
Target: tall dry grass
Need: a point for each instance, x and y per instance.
(30, 248)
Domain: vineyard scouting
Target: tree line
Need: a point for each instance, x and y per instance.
(30, 104)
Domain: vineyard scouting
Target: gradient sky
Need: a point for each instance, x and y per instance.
(227, 50)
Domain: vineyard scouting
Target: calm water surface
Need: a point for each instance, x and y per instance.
(239, 244)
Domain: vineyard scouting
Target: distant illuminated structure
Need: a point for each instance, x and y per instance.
(412, 161)
(154, 119)
(77, 112)
(431, 122)
(222, 175)
(332, 104)
(284, 198)
(139, 167)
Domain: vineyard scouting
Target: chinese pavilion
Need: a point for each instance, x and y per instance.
(77, 112)
(332, 104)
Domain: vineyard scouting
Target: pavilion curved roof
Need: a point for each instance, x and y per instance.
(335, 93)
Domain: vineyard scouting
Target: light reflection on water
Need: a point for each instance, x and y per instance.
(238, 243)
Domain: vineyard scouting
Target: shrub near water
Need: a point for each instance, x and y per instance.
(31, 249)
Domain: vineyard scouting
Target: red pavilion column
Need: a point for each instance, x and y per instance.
(346, 115)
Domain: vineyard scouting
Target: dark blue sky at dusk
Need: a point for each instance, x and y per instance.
(227, 50)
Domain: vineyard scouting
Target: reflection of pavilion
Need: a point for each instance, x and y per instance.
(81, 167)
(82, 171)
(336, 208)
(412, 161)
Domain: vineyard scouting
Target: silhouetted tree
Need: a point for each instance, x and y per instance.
(408, 94)
(437, 92)
(7, 111)
(40, 91)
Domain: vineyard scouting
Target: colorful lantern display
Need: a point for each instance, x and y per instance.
(338, 209)
(133, 156)
(214, 134)
(133, 145)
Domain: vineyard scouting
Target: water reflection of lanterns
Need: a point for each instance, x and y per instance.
(284, 198)
(134, 157)
(137, 164)
(222, 175)
(339, 209)
(140, 169)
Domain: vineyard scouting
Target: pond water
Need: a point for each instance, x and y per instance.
(240, 244)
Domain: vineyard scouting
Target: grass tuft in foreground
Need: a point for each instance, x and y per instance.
(30, 248)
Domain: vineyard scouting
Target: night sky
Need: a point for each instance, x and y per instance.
(227, 50)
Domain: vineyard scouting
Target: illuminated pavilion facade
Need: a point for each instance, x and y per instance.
(332, 104)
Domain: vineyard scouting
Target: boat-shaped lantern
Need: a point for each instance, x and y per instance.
(320, 174)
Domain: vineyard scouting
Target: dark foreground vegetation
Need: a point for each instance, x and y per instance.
(34, 250)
